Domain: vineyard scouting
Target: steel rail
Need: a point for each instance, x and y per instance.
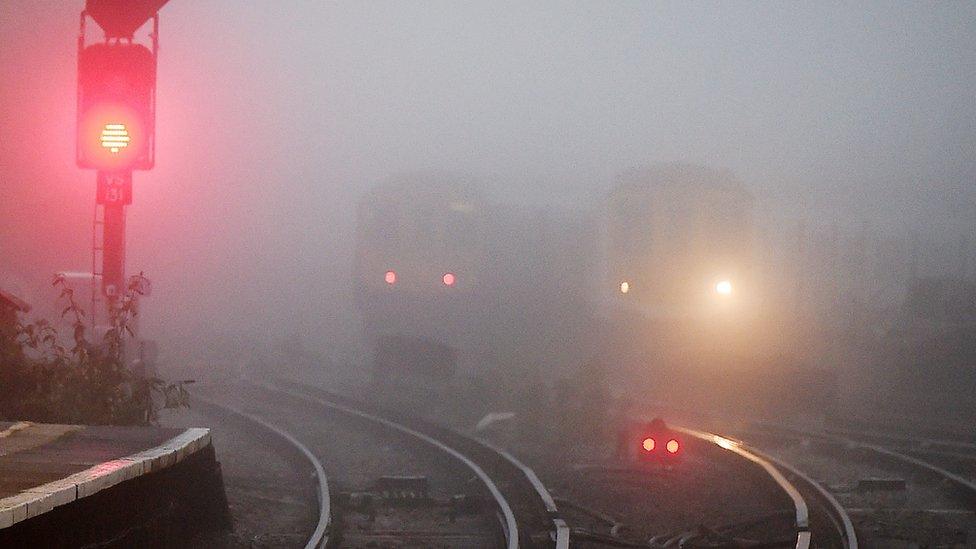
(561, 529)
(926, 442)
(319, 538)
(839, 515)
(907, 427)
(958, 480)
(509, 523)
(802, 513)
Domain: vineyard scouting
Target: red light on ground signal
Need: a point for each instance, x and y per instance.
(390, 277)
(648, 444)
(672, 446)
(449, 279)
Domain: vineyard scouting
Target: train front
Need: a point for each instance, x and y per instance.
(688, 317)
(420, 263)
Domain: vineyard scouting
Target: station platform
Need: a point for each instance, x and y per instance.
(113, 483)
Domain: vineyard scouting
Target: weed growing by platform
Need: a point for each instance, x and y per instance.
(50, 377)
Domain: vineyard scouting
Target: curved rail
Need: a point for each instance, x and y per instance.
(965, 484)
(561, 529)
(802, 518)
(840, 517)
(319, 538)
(509, 523)
(959, 481)
(927, 443)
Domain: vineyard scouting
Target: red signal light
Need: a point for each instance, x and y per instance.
(112, 137)
(390, 277)
(115, 137)
(672, 446)
(449, 279)
(648, 444)
(116, 107)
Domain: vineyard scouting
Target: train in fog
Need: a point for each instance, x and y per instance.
(677, 237)
(685, 310)
(450, 284)
(421, 259)
(656, 284)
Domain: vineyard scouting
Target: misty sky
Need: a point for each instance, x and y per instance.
(273, 117)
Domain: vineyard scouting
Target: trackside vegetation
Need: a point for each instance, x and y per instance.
(52, 377)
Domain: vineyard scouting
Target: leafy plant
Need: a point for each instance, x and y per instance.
(45, 377)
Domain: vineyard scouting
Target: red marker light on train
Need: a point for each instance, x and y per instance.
(648, 444)
(390, 277)
(449, 279)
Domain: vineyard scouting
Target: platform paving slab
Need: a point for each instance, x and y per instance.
(45, 466)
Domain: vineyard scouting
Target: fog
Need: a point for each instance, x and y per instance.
(852, 126)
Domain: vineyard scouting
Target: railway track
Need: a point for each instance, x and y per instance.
(819, 519)
(722, 493)
(931, 504)
(319, 538)
(530, 517)
(896, 490)
(939, 449)
(523, 513)
(527, 514)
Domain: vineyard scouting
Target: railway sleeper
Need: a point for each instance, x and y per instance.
(369, 502)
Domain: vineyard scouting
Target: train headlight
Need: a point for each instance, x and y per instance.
(624, 287)
(724, 287)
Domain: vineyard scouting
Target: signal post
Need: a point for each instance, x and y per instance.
(131, 504)
(115, 125)
(114, 193)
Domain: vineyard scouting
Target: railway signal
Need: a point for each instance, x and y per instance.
(672, 446)
(116, 107)
(653, 441)
(115, 126)
(649, 445)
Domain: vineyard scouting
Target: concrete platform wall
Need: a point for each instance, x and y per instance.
(161, 497)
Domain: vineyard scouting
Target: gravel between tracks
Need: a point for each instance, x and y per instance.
(272, 504)
(355, 453)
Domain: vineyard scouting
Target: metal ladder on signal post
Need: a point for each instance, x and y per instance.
(96, 276)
